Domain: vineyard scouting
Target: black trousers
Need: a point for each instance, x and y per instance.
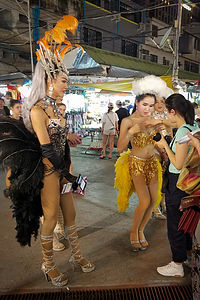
(179, 241)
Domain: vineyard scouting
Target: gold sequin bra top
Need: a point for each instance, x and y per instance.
(142, 139)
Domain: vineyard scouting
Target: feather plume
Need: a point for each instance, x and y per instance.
(70, 23)
(20, 153)
(49, 53)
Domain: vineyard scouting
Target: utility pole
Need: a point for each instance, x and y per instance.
(176, 48)
(30, 37)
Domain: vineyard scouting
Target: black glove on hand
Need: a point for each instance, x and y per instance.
(57, 162)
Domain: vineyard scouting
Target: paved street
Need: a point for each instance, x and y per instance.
(104, 238)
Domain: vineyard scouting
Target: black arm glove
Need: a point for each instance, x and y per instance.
(58, 163)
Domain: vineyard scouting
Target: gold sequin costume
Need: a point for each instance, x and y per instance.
(128, 165)
(142, 139)
(145, 166)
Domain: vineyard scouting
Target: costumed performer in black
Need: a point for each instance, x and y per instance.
(139, 170)
(42, 117)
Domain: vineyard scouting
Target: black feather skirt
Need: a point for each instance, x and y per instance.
(20, 153)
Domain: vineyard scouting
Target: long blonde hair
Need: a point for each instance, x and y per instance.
(38, 92)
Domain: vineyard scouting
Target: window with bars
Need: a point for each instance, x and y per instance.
(153, 58)
(145, 54)
(92, 37)
(191, 67)
(197, 44)
(136, 17)
(129, 48)
(154, 30)
(165, 61)
(165, 14)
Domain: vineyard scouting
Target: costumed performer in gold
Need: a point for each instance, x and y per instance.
(139, 170)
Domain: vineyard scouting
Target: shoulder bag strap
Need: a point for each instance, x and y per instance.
(110, 120)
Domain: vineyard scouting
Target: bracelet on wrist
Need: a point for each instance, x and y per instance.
(129, 136)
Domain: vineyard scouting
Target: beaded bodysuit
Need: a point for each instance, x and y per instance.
(58, 139)
(142, 166)
(58, 136)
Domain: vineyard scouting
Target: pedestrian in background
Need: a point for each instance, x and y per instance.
(4, 111)
(121, 113)
(7, 98)
(129, 106)
(16, 108)
(109, 130)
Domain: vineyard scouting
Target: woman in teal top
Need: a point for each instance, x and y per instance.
(180, 111)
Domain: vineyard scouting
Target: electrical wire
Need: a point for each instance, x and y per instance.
(131, 11)
(19, 4)
(17, 69)
(21, 33)
(53, 15)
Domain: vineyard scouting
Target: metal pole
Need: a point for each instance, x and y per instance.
(30, 37)
(176, 48)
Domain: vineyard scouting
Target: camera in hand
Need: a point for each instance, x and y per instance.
(157, 137)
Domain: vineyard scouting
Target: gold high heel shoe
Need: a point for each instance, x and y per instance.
(158, 214)
(49, 265)
(144, 242)
(76, 256)
(57, 245)
(135, 244)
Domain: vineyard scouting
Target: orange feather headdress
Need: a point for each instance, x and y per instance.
(49, 52)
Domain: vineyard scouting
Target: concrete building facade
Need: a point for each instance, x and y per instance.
(136, 28)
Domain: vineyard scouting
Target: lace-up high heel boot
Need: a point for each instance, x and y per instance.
(76, 258)
(59, 229)
(49, 268)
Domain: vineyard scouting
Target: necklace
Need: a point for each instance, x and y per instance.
(50, 101)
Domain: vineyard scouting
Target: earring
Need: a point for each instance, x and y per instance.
(50, 90)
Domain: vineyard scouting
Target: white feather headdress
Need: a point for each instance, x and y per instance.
(152, 85)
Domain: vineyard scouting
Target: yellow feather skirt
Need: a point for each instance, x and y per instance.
(124, 183)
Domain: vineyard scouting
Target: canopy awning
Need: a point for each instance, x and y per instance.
(105, 57)
(118, 85)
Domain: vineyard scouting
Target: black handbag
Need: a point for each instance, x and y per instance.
(165, 177)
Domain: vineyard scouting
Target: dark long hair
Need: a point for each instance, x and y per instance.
(140, 98)
(182, 106)
(110, 109)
